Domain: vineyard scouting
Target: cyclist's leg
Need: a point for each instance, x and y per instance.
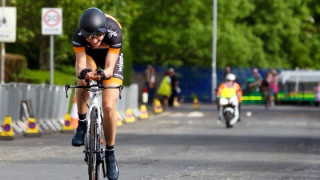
(109, 99)
(82, 101)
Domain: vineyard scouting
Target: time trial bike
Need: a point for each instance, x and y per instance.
(94, 138)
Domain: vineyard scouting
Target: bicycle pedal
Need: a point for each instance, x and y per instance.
(86, 159)
(102, 155)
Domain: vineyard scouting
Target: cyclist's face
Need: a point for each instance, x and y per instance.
(95, 40)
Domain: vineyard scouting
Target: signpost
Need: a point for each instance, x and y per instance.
(51, 25)
(8, 19)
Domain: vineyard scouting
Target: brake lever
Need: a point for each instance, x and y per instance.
(120, 90)
(66, 87)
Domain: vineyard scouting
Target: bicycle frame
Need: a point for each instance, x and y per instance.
(94, 104)
(94, 154)
(99, 151)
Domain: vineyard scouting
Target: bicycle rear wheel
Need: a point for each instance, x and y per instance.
(94, 145)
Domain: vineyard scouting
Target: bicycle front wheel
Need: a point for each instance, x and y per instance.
(93, 165)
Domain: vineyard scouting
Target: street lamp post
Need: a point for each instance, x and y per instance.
(214, 50)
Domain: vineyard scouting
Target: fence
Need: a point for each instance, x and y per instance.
(49, 104)
(195, 81)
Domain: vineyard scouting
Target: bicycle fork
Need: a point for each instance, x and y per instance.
(99, 152)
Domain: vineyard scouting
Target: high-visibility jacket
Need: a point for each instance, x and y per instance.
(165, 87)
(234, 85)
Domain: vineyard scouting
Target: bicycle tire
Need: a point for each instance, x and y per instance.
(92, 164)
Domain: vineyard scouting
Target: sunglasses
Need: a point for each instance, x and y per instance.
(92, 35)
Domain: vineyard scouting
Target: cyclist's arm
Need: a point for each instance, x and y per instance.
(111, 60)
(81, 62)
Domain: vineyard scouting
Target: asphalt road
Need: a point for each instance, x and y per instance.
(184, 143)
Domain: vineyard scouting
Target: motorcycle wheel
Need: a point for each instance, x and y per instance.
(228, 117)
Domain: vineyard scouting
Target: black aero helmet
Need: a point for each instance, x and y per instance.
(92, 21)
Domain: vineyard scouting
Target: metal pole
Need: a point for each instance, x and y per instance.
(214, 50)
(51, 60)
(3, 52)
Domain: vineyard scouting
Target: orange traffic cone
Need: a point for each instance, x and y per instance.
(74, 114)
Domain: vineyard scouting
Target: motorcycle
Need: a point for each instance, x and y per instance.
(229, 107)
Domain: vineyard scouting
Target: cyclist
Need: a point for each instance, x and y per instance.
(98, 43)
(231, 83)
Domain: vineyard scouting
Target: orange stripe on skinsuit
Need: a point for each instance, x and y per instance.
(108, 16)
(113, 80)
(79, 49)
(114, 51)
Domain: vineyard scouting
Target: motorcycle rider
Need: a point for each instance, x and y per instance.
(231, 83)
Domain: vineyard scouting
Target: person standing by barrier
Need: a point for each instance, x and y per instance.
(227, 70)
(265, 89)
(98, 43)
(150, 82)
(175, 90)
(255, 85)
(164, 90)
(317, 94)
(273, 87)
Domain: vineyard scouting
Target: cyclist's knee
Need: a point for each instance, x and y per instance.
(108, 108)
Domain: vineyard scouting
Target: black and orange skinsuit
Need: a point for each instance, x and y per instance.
(111, 43)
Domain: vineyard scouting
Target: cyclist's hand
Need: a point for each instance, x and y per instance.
(84, 73)
(101, 74)
(90, 75)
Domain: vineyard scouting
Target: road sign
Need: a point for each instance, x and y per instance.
(51, 21)
(8, 24)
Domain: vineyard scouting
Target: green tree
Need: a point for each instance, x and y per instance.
(172, 33)
(35, 46)
(268, 33)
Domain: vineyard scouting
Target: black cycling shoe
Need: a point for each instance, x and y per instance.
(78, 138)
(112, 167)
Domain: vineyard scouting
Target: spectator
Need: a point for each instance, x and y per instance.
(273, 86)
(317, 94)
(173, 100)
(255, 85)
(150, 82)
(265, 87)
(227, 70)
(164, 90)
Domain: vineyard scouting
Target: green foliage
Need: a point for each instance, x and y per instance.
(15, 65)
(41, 76)
(261, 33)
(172, 32)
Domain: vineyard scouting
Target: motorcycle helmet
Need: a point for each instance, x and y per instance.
(230, 77)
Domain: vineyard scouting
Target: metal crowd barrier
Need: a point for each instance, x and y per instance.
(49, 104)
